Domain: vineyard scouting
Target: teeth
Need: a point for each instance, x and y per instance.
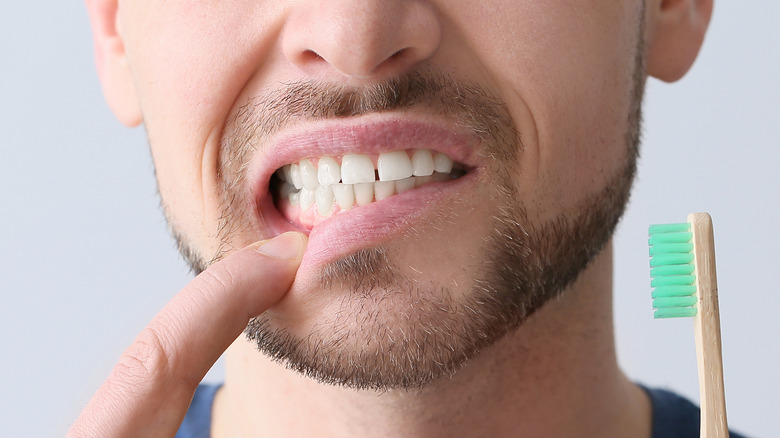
(328, 171)
(323, 196)
(422, 162)
(364, 193)
(356, 182)
(405, 184)
(442, 163)
(420, 180)
(357, 168)
(287, 189)
(384, 189)
(308, 175)
(393, 166)
(441, 177)
(345, 195)
(295, 176)
(307, 199)
(295, 198)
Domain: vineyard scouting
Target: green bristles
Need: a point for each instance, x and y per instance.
(671, 252)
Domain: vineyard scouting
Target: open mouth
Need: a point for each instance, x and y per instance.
(314, 189)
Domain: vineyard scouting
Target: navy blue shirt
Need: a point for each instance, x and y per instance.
(197, 422)
(673, 416)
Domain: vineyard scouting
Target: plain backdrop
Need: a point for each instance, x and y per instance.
(85, 259)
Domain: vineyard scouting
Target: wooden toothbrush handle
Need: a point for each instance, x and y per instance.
(707, 330)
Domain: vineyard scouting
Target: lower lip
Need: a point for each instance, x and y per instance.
(370, 225)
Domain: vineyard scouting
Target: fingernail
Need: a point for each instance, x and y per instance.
(284, 247)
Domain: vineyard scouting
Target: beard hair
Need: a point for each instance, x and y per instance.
(388, 332)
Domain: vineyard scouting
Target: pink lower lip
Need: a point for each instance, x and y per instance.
(370, 225)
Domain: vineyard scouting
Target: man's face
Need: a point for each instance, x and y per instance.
(535, 102)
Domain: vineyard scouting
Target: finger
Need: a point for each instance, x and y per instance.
(149, 390)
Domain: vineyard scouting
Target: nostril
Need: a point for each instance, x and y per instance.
(310, 56)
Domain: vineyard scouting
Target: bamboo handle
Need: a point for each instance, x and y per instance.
(707, 329)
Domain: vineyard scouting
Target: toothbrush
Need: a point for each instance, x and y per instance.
(683, 274)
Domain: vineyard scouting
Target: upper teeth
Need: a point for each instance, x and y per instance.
(355, 179)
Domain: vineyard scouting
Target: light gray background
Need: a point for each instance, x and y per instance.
(85, 260)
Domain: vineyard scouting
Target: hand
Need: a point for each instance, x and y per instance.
(149, 390)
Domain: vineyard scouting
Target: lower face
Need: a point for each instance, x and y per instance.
(533, 148)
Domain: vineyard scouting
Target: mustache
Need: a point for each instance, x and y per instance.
(469, 106)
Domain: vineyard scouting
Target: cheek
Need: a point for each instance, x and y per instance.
(191, 61)
(565, 71)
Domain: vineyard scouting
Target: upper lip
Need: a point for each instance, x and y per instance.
(360, 135)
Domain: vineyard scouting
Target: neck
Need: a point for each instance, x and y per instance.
(556, 375)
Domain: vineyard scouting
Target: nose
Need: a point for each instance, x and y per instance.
(360, 38)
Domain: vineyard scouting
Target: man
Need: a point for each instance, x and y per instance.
(432, 186)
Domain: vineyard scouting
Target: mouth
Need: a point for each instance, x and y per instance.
(353, 184)
(317, 188)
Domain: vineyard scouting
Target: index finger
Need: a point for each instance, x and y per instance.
(149, 390)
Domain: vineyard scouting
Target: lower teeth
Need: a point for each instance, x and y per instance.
(347, 196)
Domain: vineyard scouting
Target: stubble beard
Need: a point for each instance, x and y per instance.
(389, 332)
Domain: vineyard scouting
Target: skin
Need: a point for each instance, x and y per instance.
(564, 73)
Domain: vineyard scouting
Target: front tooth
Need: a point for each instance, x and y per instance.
(307, 199)
(295, 176)
(442, 163)
(328, 171)
(422, 162)
(345, 195)
(356, 168)
(384, 189)
(405, 184)
(364, 192)
(308, 175)
(393, 166)
(324, 197)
